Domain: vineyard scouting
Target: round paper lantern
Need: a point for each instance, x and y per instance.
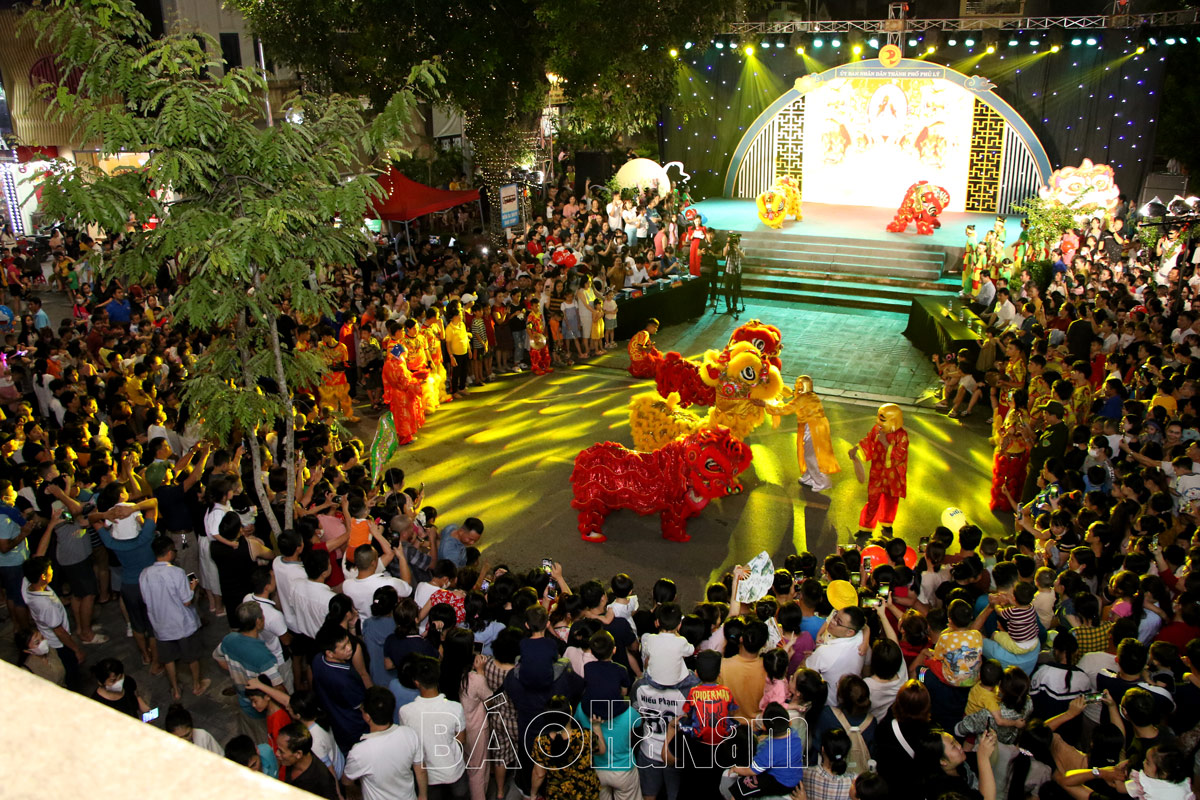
(642, 173)
(954, 518)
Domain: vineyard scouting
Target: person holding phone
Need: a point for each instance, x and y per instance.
(170, 596)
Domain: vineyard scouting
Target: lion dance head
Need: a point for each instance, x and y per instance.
(712, 461)
(767, 338)
(741, 370)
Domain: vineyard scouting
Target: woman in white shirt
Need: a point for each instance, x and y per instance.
(220, 492)
(614, 212)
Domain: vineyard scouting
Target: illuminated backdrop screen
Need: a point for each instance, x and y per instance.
(866, 140)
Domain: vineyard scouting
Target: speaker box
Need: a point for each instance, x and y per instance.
(591, 164)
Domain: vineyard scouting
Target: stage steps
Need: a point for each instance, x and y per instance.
(878, 275)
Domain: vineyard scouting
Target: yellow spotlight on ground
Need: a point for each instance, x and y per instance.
(749, 50)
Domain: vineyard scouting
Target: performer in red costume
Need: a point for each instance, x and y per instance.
(886, 447)
(402, 393)
(698, 238)
(539, 346)
(643, 355)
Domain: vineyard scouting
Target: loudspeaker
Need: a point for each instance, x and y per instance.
(596, 165)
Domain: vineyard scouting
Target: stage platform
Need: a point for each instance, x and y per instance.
(844, 256)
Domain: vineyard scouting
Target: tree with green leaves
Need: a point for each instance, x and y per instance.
(247, 214)
(614, 58)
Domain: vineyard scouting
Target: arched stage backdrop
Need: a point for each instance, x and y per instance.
(1099, 102)
(863, 132)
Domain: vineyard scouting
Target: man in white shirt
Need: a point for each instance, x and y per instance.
(311, 598)
(386, 758)
(441, 729)
(987, 291)
(288, 572)
(361, 589)
(1005, 312)
(50, 615)
(275, 630)
(840, 651)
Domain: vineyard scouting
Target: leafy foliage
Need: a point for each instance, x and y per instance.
(614, 55)
(1048, 219)
(246, 214)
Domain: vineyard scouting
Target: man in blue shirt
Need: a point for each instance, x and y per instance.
(615, 768)
(455, 539)
(118, 308)
(135, 554)
(339, 687)
(40, 318)
(14, 550)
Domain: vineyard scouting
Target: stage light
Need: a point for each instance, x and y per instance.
(720, 45)
(874, 43)
(1034, 42)
(799, 51)
(1092, 41)
(912, 42)
(1170, 40)
(1055, 48)
(835, 43)
(991, 48)
(749, 50)
(818, 43)
(969, 42)
(856, 49)
(687, 45)
(1055, 39)
(990, 40)
(674, 53)
(1153, 42)
(780, 42)
(1183, 40)
(1140, 50)
(952, 42)
(764, 44)
(1076, 42)
(1013, 43)
(645, 47)
(931, 40)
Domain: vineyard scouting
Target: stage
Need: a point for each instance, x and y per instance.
(862, 223)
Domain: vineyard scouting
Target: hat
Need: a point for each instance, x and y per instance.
(1056, 408)
(841, 594)
(469, 298)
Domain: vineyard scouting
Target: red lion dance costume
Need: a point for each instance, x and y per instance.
(676, 374)
(402, 393)
(677, 480)
(886, 447)
(922, 203)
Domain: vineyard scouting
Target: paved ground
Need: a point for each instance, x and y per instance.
(506, 453)
(851, 353)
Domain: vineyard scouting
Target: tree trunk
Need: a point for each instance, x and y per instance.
(248, 383)
(289, 423)
(497, 151)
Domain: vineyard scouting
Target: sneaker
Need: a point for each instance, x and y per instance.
(99, 638)
(517, 370)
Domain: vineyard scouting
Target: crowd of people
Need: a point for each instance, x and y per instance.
(372, 651)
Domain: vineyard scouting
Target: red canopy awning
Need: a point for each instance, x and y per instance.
(406, 199)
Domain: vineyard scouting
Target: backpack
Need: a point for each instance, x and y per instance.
(859, 759)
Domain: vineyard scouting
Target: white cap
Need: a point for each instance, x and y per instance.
(469, 298)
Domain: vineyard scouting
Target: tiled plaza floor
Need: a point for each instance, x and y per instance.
(850, 353)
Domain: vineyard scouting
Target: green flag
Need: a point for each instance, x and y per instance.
(384, 446)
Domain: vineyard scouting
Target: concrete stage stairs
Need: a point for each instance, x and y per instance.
(859, 273)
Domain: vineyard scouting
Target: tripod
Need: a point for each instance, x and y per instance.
(734, 304)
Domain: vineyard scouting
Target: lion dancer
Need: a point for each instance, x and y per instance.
(644, 357)
(334, 390)
(1011, 460)
(434, 331)
(402, 393)
(420, 364)
(539, 346)
(886, 447)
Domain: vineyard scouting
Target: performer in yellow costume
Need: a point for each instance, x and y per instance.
(334, 390)
(814, 445)
(434, 331)
(420, 364)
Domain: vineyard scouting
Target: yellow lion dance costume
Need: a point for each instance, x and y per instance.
(744, 380)
(780, 202)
